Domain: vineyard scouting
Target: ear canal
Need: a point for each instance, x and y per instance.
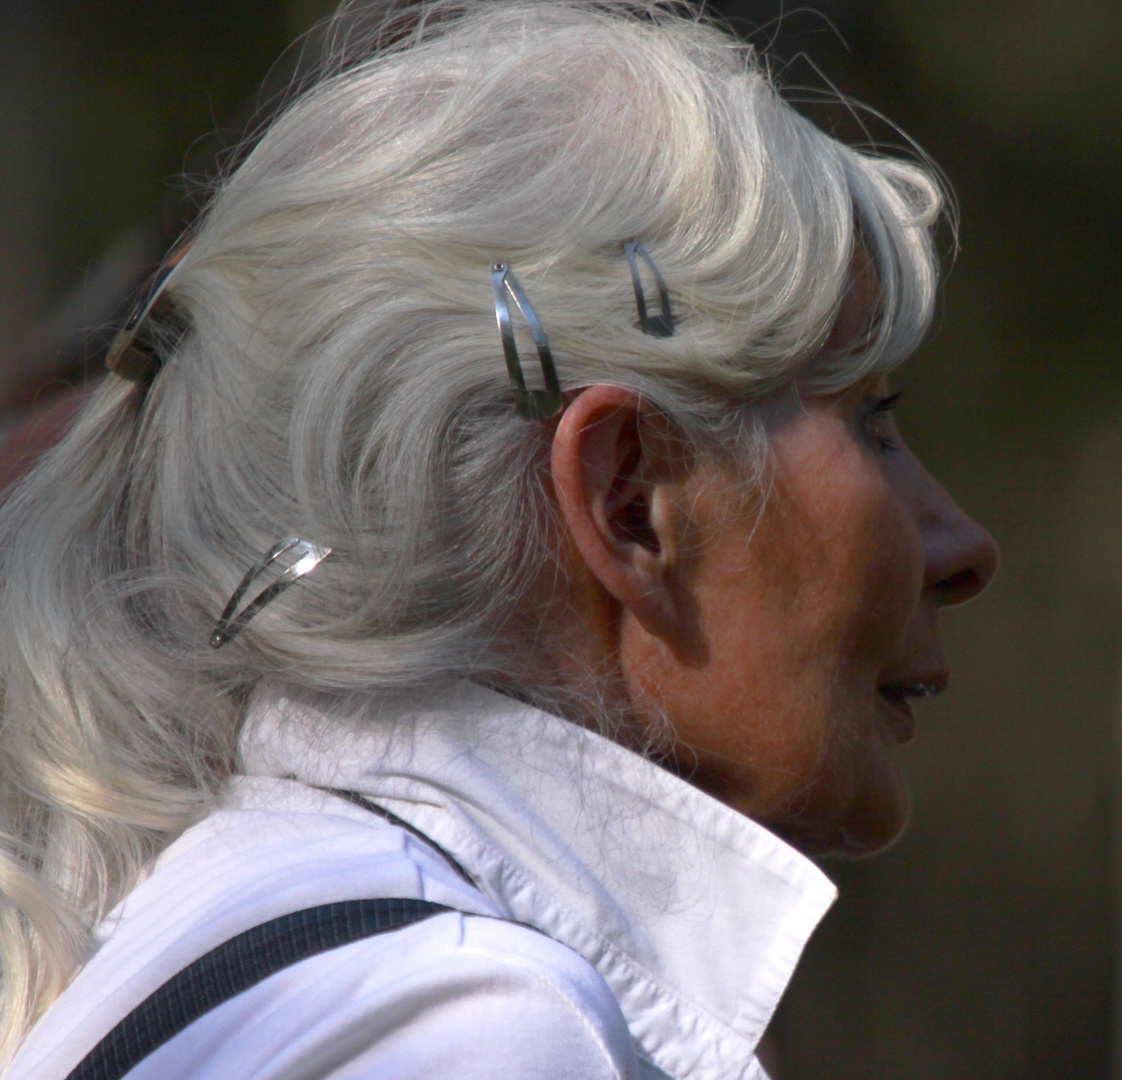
(635, 522)
(630, 508)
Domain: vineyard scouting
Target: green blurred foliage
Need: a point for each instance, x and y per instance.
(1050, 64)
(984, 945)
(142, 83)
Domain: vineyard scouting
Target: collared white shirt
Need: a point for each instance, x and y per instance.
(669, 924)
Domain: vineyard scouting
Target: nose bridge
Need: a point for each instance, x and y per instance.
(960, 557)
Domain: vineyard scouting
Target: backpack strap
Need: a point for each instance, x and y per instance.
(235, 966)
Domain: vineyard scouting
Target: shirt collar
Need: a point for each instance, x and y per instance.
(693, 914)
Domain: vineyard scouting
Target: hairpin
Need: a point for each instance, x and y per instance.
(655, 325)
(309, 556)
(531, 404)
(129, 355)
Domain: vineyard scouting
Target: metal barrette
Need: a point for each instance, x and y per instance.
(308, 557)
(531, 404)
(655, 325)
(129, 355)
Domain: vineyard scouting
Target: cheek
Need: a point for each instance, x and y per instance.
(888, 576)
(858, 799)
(789, 618)
(856, 558)
(734, 687)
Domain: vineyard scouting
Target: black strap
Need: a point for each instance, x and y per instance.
(235, 966)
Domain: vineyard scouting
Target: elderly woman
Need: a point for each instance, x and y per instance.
(545, 352)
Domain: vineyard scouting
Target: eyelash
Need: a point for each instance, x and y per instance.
(880, 408)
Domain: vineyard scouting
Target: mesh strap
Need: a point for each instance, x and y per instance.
(235, 966)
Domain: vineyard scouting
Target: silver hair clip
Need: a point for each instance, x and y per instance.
(308, 557)
(655, 325)
(531, 404)
(129, 355)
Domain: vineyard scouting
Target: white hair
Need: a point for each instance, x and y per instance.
(341, 379)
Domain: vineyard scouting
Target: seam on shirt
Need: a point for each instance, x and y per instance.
(555, 991)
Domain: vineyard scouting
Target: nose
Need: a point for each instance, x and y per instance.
(960, 556)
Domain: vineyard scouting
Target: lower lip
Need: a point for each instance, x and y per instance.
(900, 718)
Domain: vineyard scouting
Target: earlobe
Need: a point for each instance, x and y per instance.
(615, 493)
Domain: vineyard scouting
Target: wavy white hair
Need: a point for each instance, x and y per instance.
(342, 380)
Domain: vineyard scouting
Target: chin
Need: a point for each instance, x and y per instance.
(872, 833)
(870, 823)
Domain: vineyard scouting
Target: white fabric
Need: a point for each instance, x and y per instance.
(670, 924)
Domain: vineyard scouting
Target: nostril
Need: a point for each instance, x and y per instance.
(960, 587)
(963, 581)
(962, 560)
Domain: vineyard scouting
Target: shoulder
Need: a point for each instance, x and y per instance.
(455, 995)
(246, 863)
(458, 994)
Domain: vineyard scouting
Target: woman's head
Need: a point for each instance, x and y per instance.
(779, 640)
(342, 376)
(341, 379)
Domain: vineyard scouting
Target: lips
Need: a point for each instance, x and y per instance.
(897, 696)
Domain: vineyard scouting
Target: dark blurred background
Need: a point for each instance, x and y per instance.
(984, 945)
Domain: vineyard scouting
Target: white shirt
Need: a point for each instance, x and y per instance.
(670, 925)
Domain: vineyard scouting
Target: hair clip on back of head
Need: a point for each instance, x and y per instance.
(129, 355)
(308, 557)
(531, 404)
(655, 325)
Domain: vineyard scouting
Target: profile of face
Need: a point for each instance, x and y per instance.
(783, 638)
(816, 623)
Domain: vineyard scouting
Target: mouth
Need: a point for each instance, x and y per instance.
(897, 697)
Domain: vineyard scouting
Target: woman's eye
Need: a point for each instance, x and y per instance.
(877, 425)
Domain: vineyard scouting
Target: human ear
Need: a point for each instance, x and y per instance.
(612, 470)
